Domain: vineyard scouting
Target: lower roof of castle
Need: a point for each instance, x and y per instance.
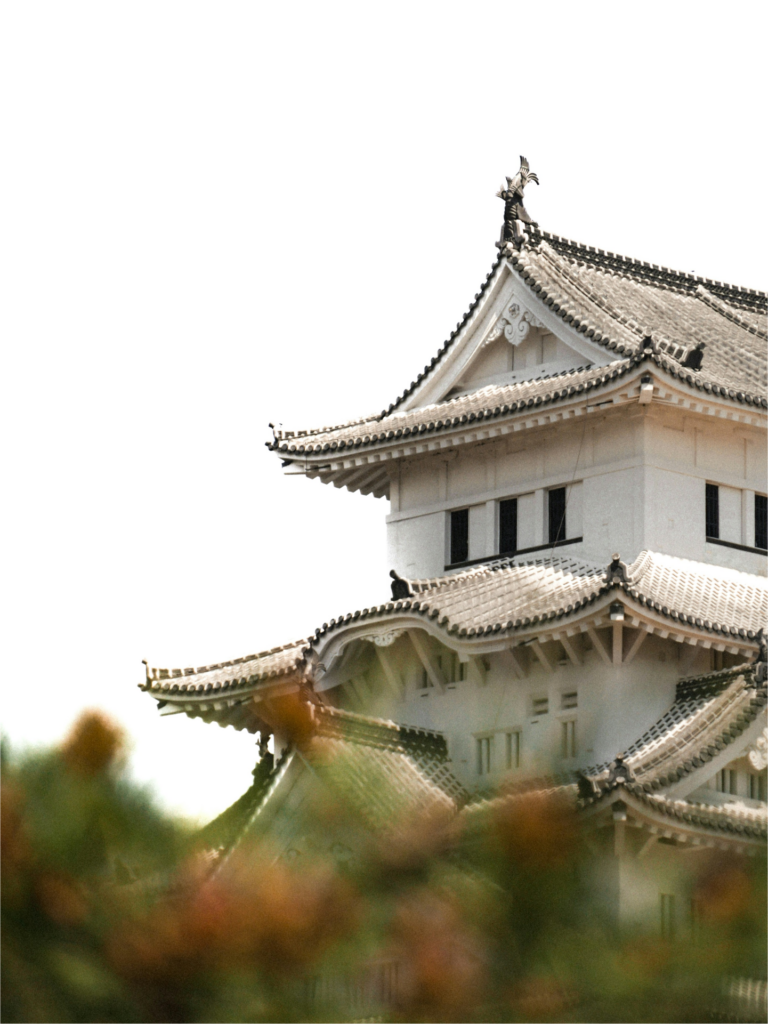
(505, 598)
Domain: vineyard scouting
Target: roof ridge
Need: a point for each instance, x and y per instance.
(177, 673)
(597, 256)
(724, 310)
(593, 296)
(449, 342)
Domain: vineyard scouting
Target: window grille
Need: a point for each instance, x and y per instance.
(568, 739)
(761, 522)
(556, 515)
(725, 781)
(484, 755)
(712, 511)
(508, 526)
(757, 786)
(459, 536)
(540, 705)
(668, 921)
(569, 700)
(513, 749)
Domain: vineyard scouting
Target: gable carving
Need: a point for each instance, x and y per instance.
(514, 325)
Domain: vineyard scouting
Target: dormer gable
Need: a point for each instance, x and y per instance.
(518, 348)
(510, 337)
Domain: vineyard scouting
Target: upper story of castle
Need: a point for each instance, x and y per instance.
(585, 401)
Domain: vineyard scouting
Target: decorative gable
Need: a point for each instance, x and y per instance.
(518, 347)
(510, 337)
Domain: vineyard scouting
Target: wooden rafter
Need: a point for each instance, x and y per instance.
(427, 659)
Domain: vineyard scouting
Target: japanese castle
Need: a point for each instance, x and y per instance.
(578, 531)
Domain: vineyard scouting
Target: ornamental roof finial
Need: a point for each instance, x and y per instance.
(515, 214)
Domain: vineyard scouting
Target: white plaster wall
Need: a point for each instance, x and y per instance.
(610, 516)
(674, 513)
(639, 474)
(615, 705)
(417, 547)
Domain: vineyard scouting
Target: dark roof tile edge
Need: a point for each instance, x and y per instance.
(651, 272)
(667, 364)
(424, 608)
(742, 719)
(735, 633)
(613, 372)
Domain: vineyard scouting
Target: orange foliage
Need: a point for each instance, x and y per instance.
(93, 745)
(724, 890)
(536, 831)
(259, 915)
(444, 958)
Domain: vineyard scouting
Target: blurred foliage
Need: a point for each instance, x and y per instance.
(111, 912)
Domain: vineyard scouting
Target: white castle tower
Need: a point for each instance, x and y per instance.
(578, 533)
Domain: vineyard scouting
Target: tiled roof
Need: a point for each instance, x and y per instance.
(506, 595)
(723, 819)
(224, 832)
(243, 672)
(381, 770)
(614, 301)
(497, 400)
(708, 714)
(619, 307)
(384, 772)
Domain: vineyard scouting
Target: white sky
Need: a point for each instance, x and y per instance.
(218, 215)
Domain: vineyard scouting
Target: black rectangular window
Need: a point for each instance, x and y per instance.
(508, 526)
(459, 536)
(713, 511)
(761, 522)
(556, 515)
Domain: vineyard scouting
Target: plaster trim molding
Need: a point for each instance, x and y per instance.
(515, 325)
(387, 639)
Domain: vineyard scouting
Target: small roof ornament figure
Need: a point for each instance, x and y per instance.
(515, 214)
(761, 659)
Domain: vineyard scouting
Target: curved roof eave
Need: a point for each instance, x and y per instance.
(576, 391)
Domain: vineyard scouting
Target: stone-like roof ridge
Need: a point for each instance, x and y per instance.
(366, 728)
(558, 562)
(283, 435)
(415, 603)
(723, 819)
(650, 272)
(158, 673)
(708, 679)
(716, 303)
(699, 724)
(593, 377)
(590, 294)
(446, 344)
(596, 376)
(238, 819)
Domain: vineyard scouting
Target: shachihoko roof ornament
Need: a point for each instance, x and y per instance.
(515, 214)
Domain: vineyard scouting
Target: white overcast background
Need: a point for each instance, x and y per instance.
(218, 215)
